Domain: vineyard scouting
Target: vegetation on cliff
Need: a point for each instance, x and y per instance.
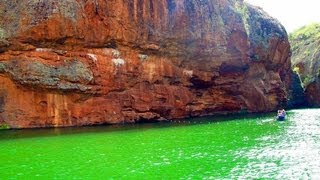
(305, 45)
(4, 126)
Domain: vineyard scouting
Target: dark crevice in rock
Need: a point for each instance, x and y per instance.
(198, 83)
(3, 96)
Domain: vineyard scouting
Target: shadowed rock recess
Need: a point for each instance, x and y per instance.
(87, 62)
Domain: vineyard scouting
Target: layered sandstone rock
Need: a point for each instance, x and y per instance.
(76, 62)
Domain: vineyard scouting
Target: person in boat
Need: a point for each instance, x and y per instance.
(281, 114)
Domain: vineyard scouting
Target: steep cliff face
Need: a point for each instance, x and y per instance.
(312, 93)
(306, 60)
(296, 92)
(76, 62)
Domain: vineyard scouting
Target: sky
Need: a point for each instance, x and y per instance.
(292, 14)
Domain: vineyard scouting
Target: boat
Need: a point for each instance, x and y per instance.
(281, 118)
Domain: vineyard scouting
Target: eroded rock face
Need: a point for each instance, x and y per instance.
(75, 62)
(312, 93)
(297, 96)
(305, 60)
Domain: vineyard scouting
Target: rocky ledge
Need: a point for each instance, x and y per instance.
(76, 62)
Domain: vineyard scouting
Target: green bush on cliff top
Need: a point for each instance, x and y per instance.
(305, 46)
(305, 34)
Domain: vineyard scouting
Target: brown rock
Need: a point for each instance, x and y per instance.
(72, 63)
(312, 93)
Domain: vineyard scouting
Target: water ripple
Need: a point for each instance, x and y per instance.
(296, 155)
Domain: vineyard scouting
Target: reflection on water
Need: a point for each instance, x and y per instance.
(44, 132)
(238, 147)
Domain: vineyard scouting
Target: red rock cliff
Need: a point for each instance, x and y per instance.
(84, 62)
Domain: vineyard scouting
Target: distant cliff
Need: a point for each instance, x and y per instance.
(305, 44)
(77, 62)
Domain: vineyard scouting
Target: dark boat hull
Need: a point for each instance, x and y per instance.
(281, 118)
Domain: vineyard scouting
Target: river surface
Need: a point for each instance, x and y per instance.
(242, 147)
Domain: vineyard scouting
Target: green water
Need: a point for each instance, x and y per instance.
(244, 147)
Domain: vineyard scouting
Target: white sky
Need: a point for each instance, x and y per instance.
(291, 13)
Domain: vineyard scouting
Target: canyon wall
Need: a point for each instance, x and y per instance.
(88, 62)
(306, 60)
